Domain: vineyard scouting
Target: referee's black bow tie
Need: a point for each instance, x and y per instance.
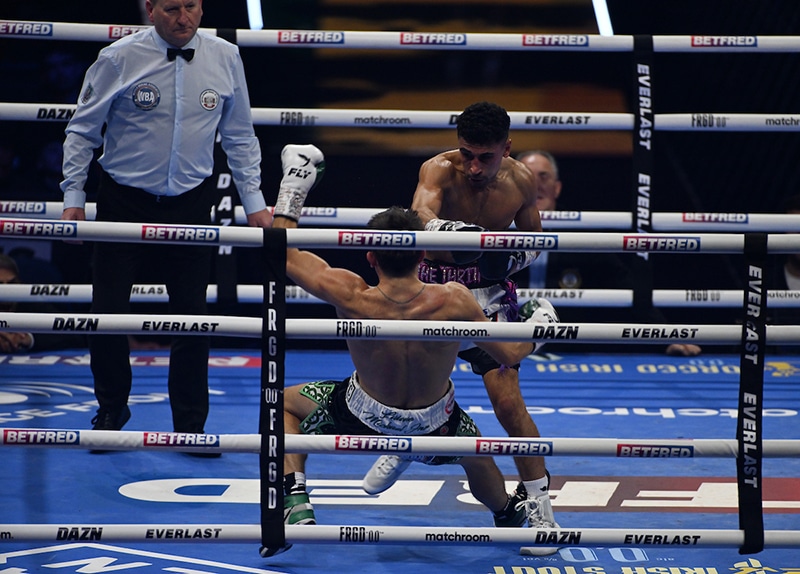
(173, 53)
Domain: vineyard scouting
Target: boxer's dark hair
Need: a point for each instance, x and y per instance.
(397, 262)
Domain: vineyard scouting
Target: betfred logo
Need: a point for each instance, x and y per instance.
(116, 32)
(514, 447)
(37, 228)
(534, 40)
(715, 217)
(630, 243)
(174, 233)
(560, 215)
(180, 439)
(377, 238)
(654, 451)
(22, 207)
(518, 241)
(27, 436)
(724, 41)
(25, 28)
(318, 212)
(420, 38)
(310, 37)
(377, 443)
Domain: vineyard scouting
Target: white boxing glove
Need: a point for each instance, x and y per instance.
(538, 310)
(303, 167)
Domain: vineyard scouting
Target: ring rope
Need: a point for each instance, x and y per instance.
(425, 119)
(369, 239)
(407, 445)
(373, 534)
(372, 329)
(155, 293)
(410, 40)
(360, 216)
(357, 216)
(151, 293)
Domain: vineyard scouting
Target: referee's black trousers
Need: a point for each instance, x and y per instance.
(186, 271)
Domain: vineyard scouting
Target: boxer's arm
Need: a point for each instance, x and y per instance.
(429, 195)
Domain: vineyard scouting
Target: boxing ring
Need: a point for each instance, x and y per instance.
(645, 547)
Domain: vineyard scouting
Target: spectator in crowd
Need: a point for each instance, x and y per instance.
(564, 270)
(23, 342)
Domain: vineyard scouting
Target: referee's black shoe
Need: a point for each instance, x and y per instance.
(200, 454)
(106, 419)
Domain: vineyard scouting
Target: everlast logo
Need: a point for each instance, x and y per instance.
(182, 533)
(645, 106)
(558, 120)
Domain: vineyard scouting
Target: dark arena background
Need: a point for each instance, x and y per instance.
(571, 390)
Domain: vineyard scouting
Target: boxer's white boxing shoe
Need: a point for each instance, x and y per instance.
(384, 473)
(540, 515)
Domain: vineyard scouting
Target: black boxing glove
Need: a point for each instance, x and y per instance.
(459, 257)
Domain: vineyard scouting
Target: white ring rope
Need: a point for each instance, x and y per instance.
(152, 293)
(372, 239)
(419, 40)
(351, 535)
(342, 329)
(407, 445)
(155, 293)
(719, 298)
(423, 119)
(359, 217)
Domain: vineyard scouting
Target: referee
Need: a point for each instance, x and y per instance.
(155, 101)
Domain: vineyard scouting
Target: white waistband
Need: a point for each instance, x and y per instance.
(389, 420)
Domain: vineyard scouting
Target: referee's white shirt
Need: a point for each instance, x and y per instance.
(162, 118)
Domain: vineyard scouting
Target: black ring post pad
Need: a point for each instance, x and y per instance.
(751, 394)
(273, 354)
